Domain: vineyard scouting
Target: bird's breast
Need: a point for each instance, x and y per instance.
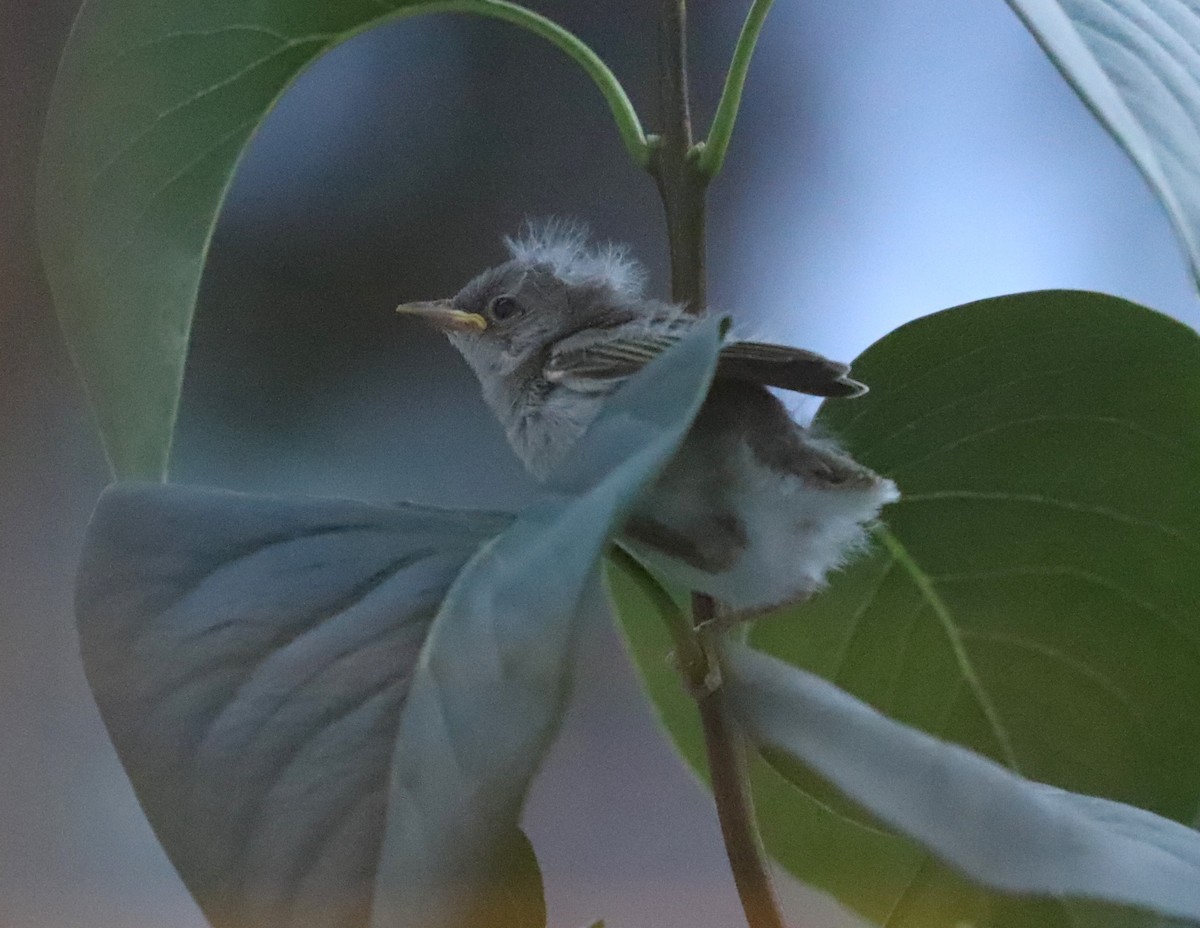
(542, 428)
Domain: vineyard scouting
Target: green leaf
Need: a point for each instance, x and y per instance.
(1136, 65)
(154, 103)
(1035, 595)
(1003, 830)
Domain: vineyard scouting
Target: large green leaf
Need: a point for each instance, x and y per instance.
(1136, 64)
(1035, 595)
(154, 104)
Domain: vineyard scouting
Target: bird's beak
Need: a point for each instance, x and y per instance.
(442, 315)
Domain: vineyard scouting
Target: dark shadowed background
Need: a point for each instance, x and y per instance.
(892, 159)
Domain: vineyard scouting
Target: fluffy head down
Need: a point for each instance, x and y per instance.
(563, 245)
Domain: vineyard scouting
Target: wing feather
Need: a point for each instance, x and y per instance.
(598, 364)
(789, 368)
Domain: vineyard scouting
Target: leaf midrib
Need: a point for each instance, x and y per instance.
(925, 586)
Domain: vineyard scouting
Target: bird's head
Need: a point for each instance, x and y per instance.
(554, 285)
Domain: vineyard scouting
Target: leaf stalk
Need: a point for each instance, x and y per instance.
(628, 124)
(710, 155)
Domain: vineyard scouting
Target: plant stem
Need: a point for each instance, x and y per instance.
(727, 766)
(682, 185)
(690, 657)
(712, 153)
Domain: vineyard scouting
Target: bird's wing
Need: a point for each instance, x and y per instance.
(596, 365)
(788, 368)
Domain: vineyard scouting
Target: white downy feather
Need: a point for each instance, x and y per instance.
(796, 535)
(563, 245)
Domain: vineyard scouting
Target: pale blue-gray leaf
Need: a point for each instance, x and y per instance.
(998, 828)
(1136, 64)
(489, 690)
(249, 657)
(252, 659)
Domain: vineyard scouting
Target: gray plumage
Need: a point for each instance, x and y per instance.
(753, 509)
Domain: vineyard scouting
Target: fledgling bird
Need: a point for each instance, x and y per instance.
(754, 509)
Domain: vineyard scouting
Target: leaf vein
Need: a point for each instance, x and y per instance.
(1084, 576)
(967, 671)
(135, 223)
(1163, 142)
(199, 95)
(1034, 420)
(910, 633)
(377, 699)
(166, 37)
(1158, 37)
(928, 372)
(1079, 668)
(1039, 499)
(857, 617)
(958, 401)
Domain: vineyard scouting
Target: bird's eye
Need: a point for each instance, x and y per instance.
(503, 307)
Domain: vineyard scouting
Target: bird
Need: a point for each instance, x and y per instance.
(754, 510)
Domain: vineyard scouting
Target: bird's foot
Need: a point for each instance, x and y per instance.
(729, 619)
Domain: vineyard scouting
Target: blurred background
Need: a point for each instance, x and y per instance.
(892, 159)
